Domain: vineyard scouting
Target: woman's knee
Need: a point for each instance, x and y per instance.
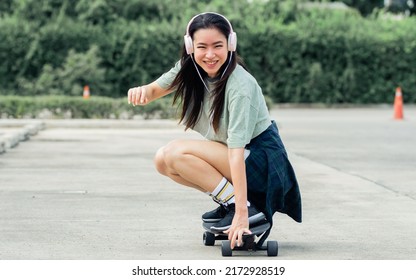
(166, 156)
(159, 161)
(173, 152)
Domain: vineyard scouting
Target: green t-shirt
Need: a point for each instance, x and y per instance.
(245, 114)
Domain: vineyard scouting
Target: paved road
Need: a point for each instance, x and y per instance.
(87, 189)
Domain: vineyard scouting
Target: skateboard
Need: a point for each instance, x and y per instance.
(249, 240)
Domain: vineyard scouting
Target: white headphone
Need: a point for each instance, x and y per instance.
(232, 37)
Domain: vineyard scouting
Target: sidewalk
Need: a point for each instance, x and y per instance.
(87, 189)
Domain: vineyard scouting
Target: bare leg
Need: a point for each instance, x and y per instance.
(195, 163)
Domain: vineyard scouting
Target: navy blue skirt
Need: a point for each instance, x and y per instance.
(271, 180)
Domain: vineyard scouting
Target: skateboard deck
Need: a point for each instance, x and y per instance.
(249, 240)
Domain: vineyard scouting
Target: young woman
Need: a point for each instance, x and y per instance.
(242, 164)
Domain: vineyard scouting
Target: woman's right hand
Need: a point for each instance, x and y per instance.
(138, 96)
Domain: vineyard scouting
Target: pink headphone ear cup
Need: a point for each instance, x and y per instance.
(189, 46)
(232, 42)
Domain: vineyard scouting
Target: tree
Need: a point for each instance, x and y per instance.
(6, 7)
(366, 7)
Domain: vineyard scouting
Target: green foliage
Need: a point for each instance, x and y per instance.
(336, 57)
(366, 7)
(297, 54)
(15, 37)
(76, 107)
(77, 70)
(5, 7)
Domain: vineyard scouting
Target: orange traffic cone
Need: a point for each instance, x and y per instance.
(398, 104)
(86, 93)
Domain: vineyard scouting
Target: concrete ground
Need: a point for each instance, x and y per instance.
(87, 189)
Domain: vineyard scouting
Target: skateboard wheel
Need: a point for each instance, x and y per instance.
(226, 248)
(209, 238)
(272, 248)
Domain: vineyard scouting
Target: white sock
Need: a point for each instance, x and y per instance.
(224, 193)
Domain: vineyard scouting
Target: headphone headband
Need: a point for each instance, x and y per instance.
(232, 37)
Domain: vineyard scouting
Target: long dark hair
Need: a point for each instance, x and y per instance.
(189, 86)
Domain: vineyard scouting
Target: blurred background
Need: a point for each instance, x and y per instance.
(78, 58)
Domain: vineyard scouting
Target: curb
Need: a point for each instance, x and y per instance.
(15, 131)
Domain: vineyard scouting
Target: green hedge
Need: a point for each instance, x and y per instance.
(297, 54)
(77, 107)
(337, 58)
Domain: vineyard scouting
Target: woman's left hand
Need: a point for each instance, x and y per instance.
(239, 226)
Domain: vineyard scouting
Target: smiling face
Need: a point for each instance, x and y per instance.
(210, 50)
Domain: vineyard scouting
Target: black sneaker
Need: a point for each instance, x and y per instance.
(215, 215)
(254, 216)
